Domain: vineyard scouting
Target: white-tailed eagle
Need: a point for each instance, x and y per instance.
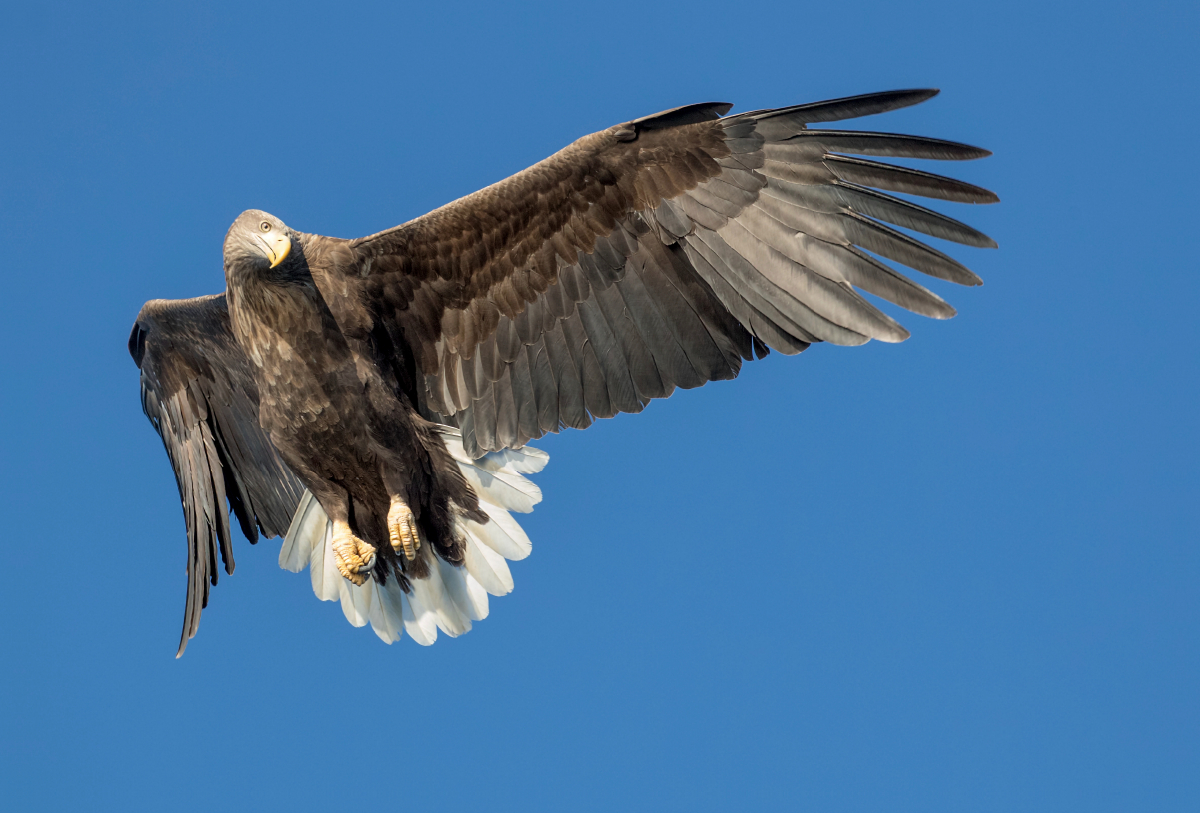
(370, 399)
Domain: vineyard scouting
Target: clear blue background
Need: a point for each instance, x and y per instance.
(961, 573)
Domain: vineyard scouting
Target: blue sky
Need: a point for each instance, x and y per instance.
(959, 573)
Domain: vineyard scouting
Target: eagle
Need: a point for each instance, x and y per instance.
(371, 400)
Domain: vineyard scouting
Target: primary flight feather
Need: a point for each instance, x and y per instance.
(371, 400)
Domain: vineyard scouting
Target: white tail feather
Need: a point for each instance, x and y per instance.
(419, 622)
(502, 534)
(387, 613)
(452, 597)
(465, 591)
(308, 522)
(525, 460)
(487, 566)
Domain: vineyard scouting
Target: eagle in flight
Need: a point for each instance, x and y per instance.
(370, 400)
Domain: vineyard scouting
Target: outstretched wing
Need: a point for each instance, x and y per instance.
(656, 254)
(199, 396)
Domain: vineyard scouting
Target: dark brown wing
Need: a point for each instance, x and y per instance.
(656, 254)
(200, 398)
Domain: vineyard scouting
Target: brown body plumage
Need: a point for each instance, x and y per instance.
(657, 254)
(335, 408)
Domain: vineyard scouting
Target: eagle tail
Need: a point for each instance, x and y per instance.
(451, 597)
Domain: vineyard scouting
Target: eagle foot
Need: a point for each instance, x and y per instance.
(353, 557)
(402, 529)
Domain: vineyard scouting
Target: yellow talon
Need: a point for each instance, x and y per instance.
(402, 529)
(353, 557)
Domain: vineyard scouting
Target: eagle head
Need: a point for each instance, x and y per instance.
(257, 241)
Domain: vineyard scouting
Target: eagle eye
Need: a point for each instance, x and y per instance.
(265, 226)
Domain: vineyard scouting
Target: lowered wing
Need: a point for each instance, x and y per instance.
(199, 396)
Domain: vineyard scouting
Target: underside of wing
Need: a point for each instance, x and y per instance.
(663, 253)
(200, 398)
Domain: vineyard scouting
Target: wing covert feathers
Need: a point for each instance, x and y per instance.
(452, 597)
(199, 396)
(663, 253)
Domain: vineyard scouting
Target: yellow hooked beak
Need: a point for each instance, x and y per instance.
(279, 248)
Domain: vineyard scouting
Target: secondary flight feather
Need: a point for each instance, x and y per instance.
(371, 400)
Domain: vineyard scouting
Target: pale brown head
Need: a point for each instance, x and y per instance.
(257, 241)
